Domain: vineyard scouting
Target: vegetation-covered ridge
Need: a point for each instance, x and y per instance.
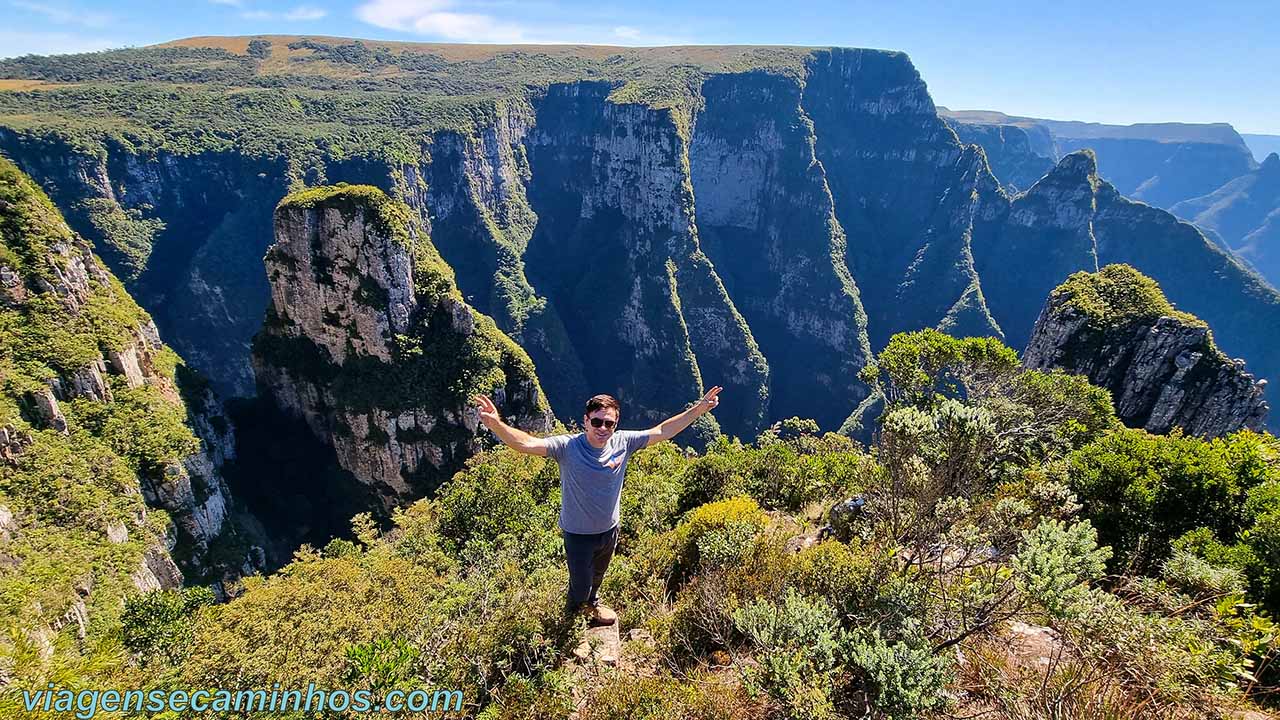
(1007, 549)
(92, 428)
(264, 93)
(390, 218)
(1116, 296)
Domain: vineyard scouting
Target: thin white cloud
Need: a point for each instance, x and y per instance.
(301, 12)
(232, 3)
(17, 43)
(450, 20)
(63, 15)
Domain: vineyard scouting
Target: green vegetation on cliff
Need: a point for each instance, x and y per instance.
(1117, 295)
(75, 533)
(434, 364)
(972, 526)
(340, 97)
(390, 218)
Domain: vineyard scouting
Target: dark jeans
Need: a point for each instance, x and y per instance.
(588, 557)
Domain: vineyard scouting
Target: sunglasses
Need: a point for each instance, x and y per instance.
(597, 422)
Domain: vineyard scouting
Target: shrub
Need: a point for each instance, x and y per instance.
(903, 678)
(715, 476)
(797, 643)
(724, 529)
(1142, 491)
(531, 698)
(157, 626)
(493, 495)
(1199, 578)
(1056, 562)
(386, 663)
(840, 574)
(651, 491)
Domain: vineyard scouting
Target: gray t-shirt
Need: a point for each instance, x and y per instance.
(591, 479)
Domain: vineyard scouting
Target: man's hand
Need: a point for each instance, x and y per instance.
(488, 412)
(709, 401)
(668, 429)
(514, 438)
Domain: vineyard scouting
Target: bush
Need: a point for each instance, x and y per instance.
(797, 644)
(157, 626)
(718, 475)
(840, 574)
(722, 529)
(524, 698)
(1142, 491)
(1199, 578)
(1057, 561)
(494, 495)
(651, 491)
(903, 678)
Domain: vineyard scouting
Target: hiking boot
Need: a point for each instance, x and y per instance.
(601, 615)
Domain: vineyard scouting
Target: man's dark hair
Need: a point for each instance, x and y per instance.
(601, 402)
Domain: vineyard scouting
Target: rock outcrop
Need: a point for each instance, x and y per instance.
(1161, 366)
(369, 342)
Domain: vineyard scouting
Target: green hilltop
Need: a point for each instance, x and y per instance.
(340, 95)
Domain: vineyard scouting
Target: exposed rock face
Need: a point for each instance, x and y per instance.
(909, 196)
(763, 221)
(616, 251)
(1245, 214)
(766, 218)
(1045, 234)
(82, 360)
(1159, 163)
(480, 219)
(368, 341)
(1018, 158)
(1162, 367)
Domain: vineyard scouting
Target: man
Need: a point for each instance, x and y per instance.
(592, 466)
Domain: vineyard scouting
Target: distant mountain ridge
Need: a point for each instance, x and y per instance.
(1245, 213)
(1158, 163)
(1262, 145)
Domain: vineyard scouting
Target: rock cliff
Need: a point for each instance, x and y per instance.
(642, 221)
(369, 342)
(111, 450)
(1161, 366)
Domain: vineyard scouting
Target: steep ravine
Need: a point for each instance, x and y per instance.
(766, 219)
(111, 451)
(616, 251)
(765, 232)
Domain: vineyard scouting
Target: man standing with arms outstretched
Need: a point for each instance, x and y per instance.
(592, 466)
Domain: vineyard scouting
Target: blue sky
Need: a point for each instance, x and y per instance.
(1119, 61)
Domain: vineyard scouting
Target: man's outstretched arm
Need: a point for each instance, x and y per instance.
(672, 426)
(514, 438)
